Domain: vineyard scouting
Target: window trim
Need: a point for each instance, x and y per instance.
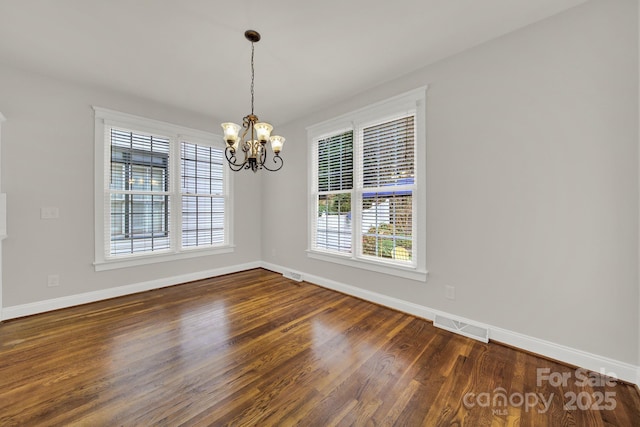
(414, 100)
(105, 117)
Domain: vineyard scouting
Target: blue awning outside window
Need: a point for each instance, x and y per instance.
(401, 181)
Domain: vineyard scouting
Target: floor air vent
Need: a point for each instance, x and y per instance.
(293, 276)
(472, 331)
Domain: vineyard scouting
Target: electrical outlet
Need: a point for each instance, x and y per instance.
(53, 280)
(449, 292)
(49, 213)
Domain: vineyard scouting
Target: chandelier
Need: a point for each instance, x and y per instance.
(254, 138)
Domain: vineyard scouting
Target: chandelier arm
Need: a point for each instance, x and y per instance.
(236, 168)
(246, 122)
(276, 159)
(230, 154)
(246, 127)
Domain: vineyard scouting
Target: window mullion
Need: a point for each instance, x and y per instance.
(175, 191)
(356, 231)
(357, 184)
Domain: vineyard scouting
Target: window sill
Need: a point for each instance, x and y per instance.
(133, 261)
(390, 269)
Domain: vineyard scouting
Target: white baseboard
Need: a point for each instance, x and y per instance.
(73, 300)
(621, 370)
(572, 356)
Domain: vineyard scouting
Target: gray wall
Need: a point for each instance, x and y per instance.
(47, 160)
(532, 169)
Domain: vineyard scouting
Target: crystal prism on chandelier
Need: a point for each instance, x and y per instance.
(253, 141)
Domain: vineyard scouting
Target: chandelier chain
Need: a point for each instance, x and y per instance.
(252, 76)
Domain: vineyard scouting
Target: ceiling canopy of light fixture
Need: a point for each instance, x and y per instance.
(253, 141)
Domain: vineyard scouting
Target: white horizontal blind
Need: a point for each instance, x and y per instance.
(387, 212)
(335, 162)
(138, 193)
(388, 152)
(203, 195)
(333, 228)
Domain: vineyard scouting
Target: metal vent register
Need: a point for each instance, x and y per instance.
(472, 331)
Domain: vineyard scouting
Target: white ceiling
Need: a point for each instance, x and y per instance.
(193, 54)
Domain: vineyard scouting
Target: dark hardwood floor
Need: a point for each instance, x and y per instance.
(254, 348)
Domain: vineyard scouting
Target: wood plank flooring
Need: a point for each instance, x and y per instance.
(254, 348)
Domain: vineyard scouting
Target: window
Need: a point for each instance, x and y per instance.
(138, 193)
(367, 195)
(203, 207)
(334, 187)
(161, 192)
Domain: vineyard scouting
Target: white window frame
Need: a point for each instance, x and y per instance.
(104, 119)
(413, 101)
